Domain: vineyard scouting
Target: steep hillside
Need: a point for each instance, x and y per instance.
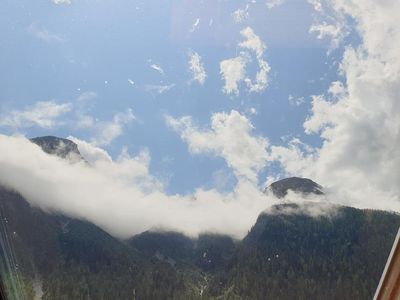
(284, 256)
(295, 256)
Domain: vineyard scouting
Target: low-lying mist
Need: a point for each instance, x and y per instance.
(121, 196)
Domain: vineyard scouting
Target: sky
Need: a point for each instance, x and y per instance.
(203, 100)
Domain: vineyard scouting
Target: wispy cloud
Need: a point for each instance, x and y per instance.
(196, 67)
(83, 104)
(296, 101)
(317, 5)
(43, 34)
(50, 114)
(195, 25)
(329, 24)
(103, 132)
(157, 68)
(44, 114)
(334, 32)
(241, 14)
(61, 1)
(274, 3)
(159, 89)
(107, 131)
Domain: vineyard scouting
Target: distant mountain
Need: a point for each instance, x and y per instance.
(305, 186)
(287, 254)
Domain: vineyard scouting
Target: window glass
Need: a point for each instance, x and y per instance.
(204, 149)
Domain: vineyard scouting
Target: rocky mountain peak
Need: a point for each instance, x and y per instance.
(305, 186)
(61, 147)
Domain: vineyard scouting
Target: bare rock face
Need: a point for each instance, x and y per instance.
(61, 147)
(304, 186)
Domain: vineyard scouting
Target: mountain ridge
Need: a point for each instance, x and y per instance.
(300, 185)
(61, 147)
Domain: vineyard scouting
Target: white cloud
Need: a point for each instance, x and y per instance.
(252, 111)
(317, 5)
(195, 25)
(296, 101)
(83, 105)
(85, 98)
(44, 114)
(196, 67)
(329, 24)
(274, 3)
(85, 121)
(252, 42)
(230, 137)
(91, 153)
(261, 81)
(103, 132)
(106, 132)
(334, 32)
(157, 68)
(121, 196)
(159, 89)
(223, 180)
(336, 89)
(321, 118)
(43, 34)
(296, 157)
(233, 70)
(48, 114)
(61, 1)
(240, 15)
(360, 127)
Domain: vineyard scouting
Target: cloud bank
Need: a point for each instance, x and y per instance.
(121, 196)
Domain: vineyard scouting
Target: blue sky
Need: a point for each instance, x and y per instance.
(111, 50)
